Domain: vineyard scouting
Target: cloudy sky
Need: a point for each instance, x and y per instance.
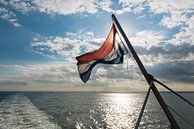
(40, 39)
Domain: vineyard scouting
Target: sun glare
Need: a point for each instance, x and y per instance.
(120, 111)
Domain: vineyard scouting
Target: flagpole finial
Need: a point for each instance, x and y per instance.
(113, 16)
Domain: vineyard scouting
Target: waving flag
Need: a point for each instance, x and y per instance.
(111, 52)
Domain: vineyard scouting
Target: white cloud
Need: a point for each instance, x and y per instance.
(186, 35)
(147, 38)
(7, 10)
(173, 20)
(68, 47)
(166, 6)
(23, 6)
(65, 74)
(66, 7)
(9, 16)
(152, 60)
(80, 35)
(172, 10)
(136, 6)
(174, 13)
(58, 72)
(82, 6)
(62, 7)
(139, 8)
(106, 5)
(61, 46)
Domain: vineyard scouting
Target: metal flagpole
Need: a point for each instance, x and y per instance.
(146, 75)
(143, 107)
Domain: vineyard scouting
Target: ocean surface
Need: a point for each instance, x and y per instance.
(58, 110)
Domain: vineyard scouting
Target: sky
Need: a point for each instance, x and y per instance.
(40, 39)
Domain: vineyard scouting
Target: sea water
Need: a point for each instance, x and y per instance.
(59, 110)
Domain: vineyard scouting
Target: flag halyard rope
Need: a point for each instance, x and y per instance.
(188, 122)
(181, 97)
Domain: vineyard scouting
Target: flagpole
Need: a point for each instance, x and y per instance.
(143, 107)
(146, 75)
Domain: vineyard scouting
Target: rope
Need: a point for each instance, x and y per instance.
(188, 102)
(181, 116)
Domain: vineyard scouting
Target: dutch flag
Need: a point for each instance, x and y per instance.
(111, 52)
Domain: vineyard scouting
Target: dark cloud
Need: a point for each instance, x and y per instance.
(12, 82)
(168, 49)
(117, 71)
(176, 65)
(182, 71)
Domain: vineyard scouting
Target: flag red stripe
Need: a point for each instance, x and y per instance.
(103, 51)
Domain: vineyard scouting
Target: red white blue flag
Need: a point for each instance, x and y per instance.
(111, 52)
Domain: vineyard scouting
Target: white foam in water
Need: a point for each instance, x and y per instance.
(18, 112)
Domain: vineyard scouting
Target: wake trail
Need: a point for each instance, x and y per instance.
(18, 112)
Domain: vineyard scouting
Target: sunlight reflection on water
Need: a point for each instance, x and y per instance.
(120, 110)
